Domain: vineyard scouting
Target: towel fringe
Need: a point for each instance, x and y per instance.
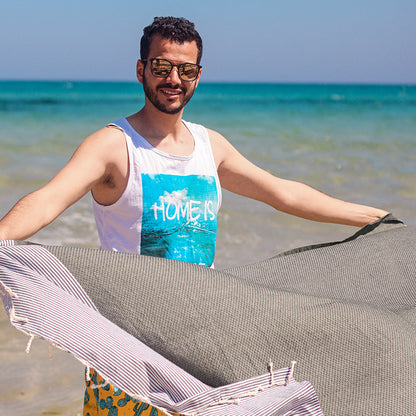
(270, 368)
(29, 343)
(289, 377)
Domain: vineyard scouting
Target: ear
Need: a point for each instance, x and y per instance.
(197, 78)
(139, 71)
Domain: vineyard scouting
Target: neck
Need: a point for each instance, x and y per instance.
(153, 124)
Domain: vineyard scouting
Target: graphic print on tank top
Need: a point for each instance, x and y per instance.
(179, 217)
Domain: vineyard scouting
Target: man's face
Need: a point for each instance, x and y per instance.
(170, 94)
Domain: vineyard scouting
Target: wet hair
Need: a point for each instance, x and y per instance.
(176, 29)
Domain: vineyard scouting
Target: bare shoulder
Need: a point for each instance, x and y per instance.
(216, 138)
(221, 147)
(100, 158)
(106, 142)
(103, 159)
(237, 174)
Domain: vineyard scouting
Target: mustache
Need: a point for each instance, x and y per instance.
(171, 86)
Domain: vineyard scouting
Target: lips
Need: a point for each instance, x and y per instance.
(170, 93)
(172, 90)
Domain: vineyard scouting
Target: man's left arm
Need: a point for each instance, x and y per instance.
(239, 175)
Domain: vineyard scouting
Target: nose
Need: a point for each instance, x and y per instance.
(174, 74)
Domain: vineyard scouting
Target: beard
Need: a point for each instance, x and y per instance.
(151, 95)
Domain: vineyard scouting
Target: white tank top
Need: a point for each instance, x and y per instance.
(169, 207)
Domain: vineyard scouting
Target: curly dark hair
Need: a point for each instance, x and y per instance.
(176, 29)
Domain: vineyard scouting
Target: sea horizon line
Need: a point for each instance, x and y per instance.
(218, 82)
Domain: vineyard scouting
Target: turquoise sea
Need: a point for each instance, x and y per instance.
(355, 142)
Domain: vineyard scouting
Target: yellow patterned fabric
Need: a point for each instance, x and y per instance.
(111, 401)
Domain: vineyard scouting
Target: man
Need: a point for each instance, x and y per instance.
(156, 179)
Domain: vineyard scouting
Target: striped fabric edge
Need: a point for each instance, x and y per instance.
(6, 243)
(48, 302)
(39, 260)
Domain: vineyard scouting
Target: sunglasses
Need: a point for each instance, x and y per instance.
(161, 68)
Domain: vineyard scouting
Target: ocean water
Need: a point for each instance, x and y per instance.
(354, 142)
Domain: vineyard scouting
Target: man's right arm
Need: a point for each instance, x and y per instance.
(92, 164)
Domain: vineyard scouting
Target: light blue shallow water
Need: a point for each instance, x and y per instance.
(355, 142)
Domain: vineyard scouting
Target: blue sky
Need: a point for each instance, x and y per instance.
(262, 41)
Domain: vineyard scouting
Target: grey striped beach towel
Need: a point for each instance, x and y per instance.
(43, 299)
(193, 340)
